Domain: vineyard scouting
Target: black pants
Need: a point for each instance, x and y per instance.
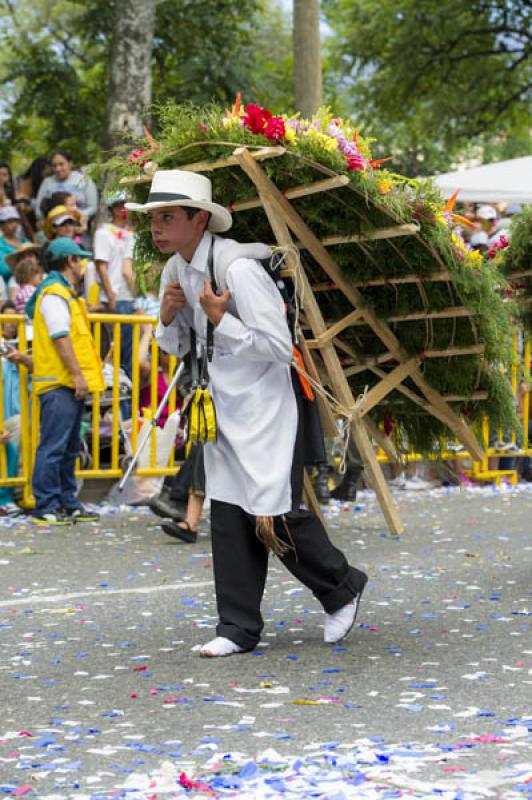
(241, 560)
(191, 477)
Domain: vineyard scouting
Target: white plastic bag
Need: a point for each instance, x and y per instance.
(139, 489)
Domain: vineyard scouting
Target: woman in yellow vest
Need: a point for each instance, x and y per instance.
(66, 368)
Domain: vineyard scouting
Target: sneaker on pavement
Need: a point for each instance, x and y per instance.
(81, 514)
(418, 484)
(339, 623)
(51, 519)
(398, 483)
(12, 510)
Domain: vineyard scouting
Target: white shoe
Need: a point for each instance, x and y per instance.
(338, 624)
(416, 484)
(398, 483)
(220, 647)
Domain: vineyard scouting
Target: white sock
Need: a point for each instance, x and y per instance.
(338, 624)
(220, 647)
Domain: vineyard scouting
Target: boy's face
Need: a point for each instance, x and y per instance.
(172, 230)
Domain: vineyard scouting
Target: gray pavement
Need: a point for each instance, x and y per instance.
(101, 684)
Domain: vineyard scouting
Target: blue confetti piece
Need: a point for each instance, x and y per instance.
(249, 770)
(293, 658)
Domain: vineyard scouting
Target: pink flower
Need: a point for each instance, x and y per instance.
(355, 162)
(135, 156)
(501, 244)
(275, 129)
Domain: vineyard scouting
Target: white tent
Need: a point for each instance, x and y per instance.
(503, 182)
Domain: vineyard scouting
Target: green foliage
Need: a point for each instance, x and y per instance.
(516, 259)
(54, 57)
(373, 199)
(436, 80)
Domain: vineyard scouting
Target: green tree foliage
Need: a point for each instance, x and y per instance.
(54, 57)
(434, 78)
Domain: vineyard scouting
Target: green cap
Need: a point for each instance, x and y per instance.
(63, 247)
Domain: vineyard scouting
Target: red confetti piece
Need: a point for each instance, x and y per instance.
(140, 669)
(133, 695)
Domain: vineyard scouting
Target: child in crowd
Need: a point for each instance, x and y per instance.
(28, 274)
(61, 222)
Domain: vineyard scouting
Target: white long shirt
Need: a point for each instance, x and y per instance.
(250, 464)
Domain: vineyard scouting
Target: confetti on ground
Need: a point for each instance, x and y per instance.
(104, 696)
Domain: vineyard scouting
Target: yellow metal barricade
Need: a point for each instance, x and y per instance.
(99, 404)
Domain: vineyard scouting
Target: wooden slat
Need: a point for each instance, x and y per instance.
(383, 441)
(208, 166)
(449, 352)
(434, 277)
(408, 229)
(386, 385)
(446, 313)
(296, 191)
(453, 312)
(527, 273)
(334, 330)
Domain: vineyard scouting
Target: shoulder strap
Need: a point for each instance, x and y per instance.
(200, 373)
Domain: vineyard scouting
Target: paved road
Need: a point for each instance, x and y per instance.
(101, 684)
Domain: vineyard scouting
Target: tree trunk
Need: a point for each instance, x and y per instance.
(130, 69)
(307, 56)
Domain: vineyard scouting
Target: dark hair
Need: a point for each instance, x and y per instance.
(35, 172)
(191, 213)
(9, 187)
(56, 199)
(63, 154)
(8, 304)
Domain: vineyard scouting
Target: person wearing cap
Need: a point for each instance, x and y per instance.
(9, 240)
(66, 367)
(254, 471)
(113, 256)
(61, 221)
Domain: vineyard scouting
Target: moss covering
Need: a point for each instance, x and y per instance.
(374, 198)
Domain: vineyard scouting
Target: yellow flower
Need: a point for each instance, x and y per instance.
(231, 122)
(327, 142)
(473, 259)
(384, 185)
(459, 243)
(289, 134)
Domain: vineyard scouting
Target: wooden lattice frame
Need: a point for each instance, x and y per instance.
(291, 232)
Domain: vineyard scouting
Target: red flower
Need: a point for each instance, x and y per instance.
(256, 117)
(275, 129)
(389, 425)
(355, 162)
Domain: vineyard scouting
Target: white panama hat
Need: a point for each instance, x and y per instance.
(178, 187)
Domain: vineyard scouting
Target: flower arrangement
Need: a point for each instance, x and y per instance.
(394, 275)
